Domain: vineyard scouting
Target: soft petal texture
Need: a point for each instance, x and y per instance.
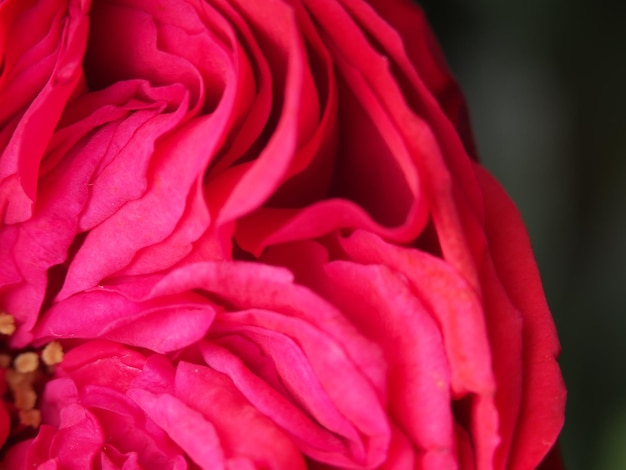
(208, 400)
(339, 378)
(457, 309)
(152, 413)
(75, 167)
(260, 234)
(366, 169)
(41, 47)
(417, 361)
(87, 406)
(161, 324)
(543, 392)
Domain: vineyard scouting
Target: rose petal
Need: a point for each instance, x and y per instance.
(32, 453)
(445, 294)
(66, 187)
(58, 79)
(367, 168)
(313, 371)
(543, 398)
(97, 376)
(185, 426)
(465, 335)
(163, 325)
(253, 285)
(378, 302)
(438, 153)
(310, 437)
(403, 29)
(78, 439)
(153, 216)
(214, 395)
(248, 185)
(102, 363)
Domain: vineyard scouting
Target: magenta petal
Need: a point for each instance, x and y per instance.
(401, 455)
(78, 440)
(386, 310)
(543, 400)
(103, 363)
(19, 162)
(123, 171)
(127, 429)
(59, 393)
(157, 376)
(246, 187)
(310, 437)
(72, 174)
(315, 372)
(17, 456)
(111, 459)
(270, 226)
(33, 453)
(439, 287)
(254, 285)
(180, 243)
(186, 427)
(153, 216)
(156, 324)
(215, 396)
(97, 375)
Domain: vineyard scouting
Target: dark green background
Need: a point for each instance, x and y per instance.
(546, 81)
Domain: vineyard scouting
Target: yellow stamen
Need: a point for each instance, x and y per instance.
(52, 354)
(26, 376)
(7, 324)
(30, 418)
(26, 362)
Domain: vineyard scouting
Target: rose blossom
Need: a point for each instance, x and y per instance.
(241, 234)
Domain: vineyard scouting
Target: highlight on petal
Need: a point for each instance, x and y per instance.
(161, 324)
(144, 409)
(209, 399)
(343, 367)
(185, 426)
(327, 436)
(216, 397)
(81, 158)
(410, 305)
(89, 414)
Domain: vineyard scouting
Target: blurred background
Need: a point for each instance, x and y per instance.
(546, 86)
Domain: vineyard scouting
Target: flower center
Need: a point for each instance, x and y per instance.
(25, 374)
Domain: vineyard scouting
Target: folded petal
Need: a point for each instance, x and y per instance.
(163, 324)
(41, 70)
(543, 396)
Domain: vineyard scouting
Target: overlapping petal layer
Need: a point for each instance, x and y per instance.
(260, 234)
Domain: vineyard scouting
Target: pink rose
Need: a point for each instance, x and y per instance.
(259, 232)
